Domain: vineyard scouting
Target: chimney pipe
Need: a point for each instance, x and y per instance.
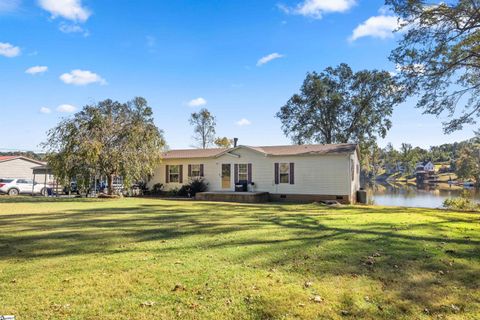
(235, 141)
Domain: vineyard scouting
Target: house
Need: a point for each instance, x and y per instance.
(291, 173)
(17, 167)
(428, 167)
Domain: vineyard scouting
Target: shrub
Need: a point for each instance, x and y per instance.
(157, 188)
(195, 186)
(464, 203)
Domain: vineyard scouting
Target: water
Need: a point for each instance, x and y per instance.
(410, 196)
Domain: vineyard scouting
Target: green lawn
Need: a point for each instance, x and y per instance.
(160, 259)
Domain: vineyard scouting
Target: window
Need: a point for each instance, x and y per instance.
(24, 181)
(195, 170)
(284, 172)
(174, 173)
(242, 172)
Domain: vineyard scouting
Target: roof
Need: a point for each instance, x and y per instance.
(193, 153)
(287, 150)
(5, 158)
(9, 158)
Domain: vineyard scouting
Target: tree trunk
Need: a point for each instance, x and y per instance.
(110, 184)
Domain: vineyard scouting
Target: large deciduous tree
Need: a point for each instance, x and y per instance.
(110, 139)
(439, 57)
(340, 106)
(203, 123)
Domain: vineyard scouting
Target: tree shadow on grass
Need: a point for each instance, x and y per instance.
(416, 263)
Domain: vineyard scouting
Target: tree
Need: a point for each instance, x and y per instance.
(439, 57)
(110, 139)
(223, 142)
(203, 123)
(371, 159)
(391, 158)
(468, 163)
(339, 106)
(408, 157)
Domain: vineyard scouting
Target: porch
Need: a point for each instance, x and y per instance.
(231, 196)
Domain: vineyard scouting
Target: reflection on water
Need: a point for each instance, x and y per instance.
(409, 195)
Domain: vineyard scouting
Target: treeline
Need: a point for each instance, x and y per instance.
(28, 154)
(463, 158)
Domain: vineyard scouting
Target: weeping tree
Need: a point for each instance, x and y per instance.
(438, 57)
(109, 138)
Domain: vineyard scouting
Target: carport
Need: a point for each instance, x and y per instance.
(44, 173)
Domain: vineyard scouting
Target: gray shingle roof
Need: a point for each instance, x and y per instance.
(288, 150)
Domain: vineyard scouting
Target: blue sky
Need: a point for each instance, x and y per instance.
(241, 59)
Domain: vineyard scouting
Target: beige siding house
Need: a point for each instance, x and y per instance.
(17, 167)
(290, 173)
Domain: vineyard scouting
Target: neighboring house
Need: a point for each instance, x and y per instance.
(292, 173)
(428, 167)
(17, 167)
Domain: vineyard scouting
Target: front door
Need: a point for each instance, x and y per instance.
(226, 176)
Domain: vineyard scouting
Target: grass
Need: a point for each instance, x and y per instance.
(160, 259)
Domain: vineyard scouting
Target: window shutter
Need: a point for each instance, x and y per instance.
(292, 173)
(201, 170)
(167, 176)
(189, 170)
(277, 173)
(249, 173)
(235, 172)
(180, 178)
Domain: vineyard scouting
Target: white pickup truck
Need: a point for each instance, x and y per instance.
(14, 187)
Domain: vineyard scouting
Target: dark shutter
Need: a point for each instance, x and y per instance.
(201, 170)
(249, 171)
(167, 176)
(235, 172)
(189, 170)
(180, 179)
(277, 173)
(292, 173)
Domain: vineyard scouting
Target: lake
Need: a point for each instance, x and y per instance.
(408, 195)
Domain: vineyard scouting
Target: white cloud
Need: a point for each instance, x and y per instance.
(243, 122)
(316, 8)
(198, 102)
(381, 26)
(73, 28)
(68, 9)
(36, 69)
(66, 108)
(9, 5)
(45, 110)
(268, 58)
(82, 77)
(8, 50)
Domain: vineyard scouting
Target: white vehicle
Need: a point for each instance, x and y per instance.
(14, 187)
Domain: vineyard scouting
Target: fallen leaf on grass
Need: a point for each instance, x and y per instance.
(455, 308)
(316, 299)
(179, 287)
(147, 304)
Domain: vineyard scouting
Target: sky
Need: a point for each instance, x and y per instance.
(241, 59)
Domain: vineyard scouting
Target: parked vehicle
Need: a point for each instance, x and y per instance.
(14, 187)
